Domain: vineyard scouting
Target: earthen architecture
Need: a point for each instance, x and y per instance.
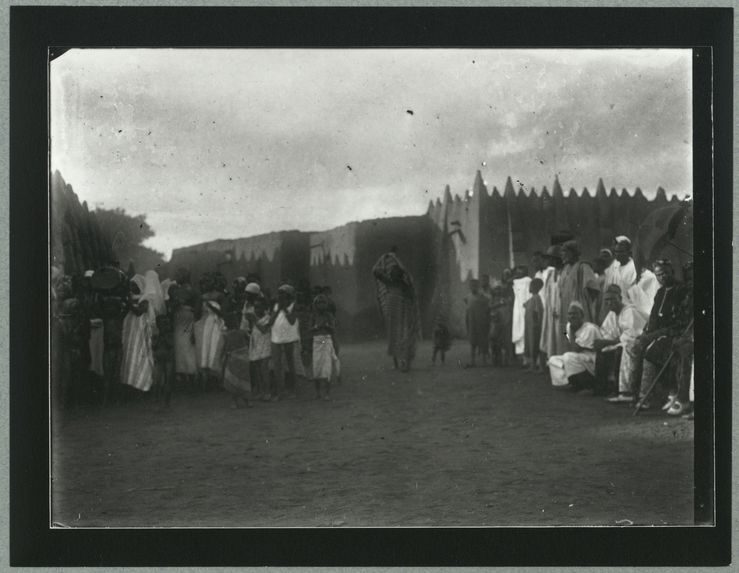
(457, 239)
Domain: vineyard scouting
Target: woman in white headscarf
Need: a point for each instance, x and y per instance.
(209, 340)
(184, 302)
(146, 297)
(153, 293)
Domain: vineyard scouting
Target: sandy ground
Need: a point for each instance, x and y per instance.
(436, 446)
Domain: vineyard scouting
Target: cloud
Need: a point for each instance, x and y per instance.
(217, 143)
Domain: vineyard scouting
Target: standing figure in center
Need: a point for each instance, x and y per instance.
(396, 296)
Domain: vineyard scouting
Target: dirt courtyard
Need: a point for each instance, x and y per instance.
(437, 446)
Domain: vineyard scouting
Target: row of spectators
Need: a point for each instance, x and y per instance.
(604, 328)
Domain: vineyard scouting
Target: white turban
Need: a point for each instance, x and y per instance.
(576, 304)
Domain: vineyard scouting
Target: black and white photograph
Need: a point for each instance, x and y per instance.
(316, 298)
(327, 288)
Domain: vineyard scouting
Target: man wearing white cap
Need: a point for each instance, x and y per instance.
(622, 271)
(609, 260)
(577, 365)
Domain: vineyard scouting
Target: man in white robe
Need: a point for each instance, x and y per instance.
(622, 272)
(577, 364)
(520, 295)
(622, 325)
(550, 328)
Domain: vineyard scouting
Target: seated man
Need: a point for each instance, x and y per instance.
(683, 348)
(579, 361)
(622, 325)
(666, 322)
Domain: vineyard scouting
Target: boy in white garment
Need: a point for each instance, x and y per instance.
(285, 337)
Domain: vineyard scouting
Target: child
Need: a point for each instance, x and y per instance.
(285, 341)
(478, 323)
(236, 364)
(534, 314)
(162, 343)
(260, 349)
(328, 293)
(442, 340)
(325, 361)
(252, 293)
(500, 326)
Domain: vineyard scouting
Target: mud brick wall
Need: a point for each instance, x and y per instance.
(77, 241)
(459, 238)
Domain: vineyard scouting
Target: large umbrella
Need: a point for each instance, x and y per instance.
(666, 233)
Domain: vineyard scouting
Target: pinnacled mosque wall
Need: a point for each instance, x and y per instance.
(487, 231)
(341, 258)
(540, 219)
(77, 240)
(459, 238)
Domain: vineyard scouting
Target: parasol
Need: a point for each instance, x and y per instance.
(666, 233)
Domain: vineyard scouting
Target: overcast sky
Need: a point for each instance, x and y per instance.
(230, 143)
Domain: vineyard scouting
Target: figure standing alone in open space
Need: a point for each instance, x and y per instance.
(325, 362)
(396, 295)
(442, 340)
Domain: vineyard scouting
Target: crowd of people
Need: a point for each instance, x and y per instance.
(602, 327)
(114, 335)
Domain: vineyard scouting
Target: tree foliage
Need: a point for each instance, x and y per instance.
(78, 242)
(82, 239)
(127, 234)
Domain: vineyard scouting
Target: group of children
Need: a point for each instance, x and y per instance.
(497, 326)
(261, 344)
(137, 332)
